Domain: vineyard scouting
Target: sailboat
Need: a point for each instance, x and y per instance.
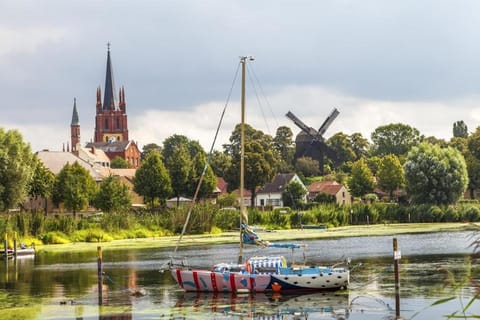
(259, 273)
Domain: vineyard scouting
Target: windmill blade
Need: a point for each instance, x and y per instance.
(309, 130)
(328, 122)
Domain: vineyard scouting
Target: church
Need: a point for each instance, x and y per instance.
(111, 127)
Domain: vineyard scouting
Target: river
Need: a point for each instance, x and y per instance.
(434, 267)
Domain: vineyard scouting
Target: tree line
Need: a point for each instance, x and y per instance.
(430, 170)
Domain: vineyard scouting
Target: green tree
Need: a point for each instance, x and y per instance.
(74, 187)
(113, 195)
(209, 182)
(390, 175)
(307, 167)
(341, 148)
(284, 146)
(435, 175)
(360, 145)
(42, 182)
(220, 163)
(16, 168)
(150, 147)
(361, 181)
(119, 163)
(395, 138)
(294, 195)
(178, 163)
(460, 129)
(152, 180)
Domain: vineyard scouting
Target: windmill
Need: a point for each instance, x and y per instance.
(310, 142)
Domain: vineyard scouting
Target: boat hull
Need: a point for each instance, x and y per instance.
(211, 281)
(291, 281)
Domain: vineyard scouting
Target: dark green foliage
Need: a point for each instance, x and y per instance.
(294, 195)
(307, 167)
(325, 198)
(460, 129)
(113, 195)
(119, 162)
(395, 138)
(361, 181)
(228, 219)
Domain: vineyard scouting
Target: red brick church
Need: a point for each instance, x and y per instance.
(111, 128)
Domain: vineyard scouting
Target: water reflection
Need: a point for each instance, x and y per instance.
(64, 286)
(327, 305)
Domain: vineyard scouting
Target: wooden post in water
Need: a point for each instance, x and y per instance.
(396, 256)
(100, 276)
(5, 244)
(15, 244)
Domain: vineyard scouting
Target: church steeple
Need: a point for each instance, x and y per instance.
(75, 128)
(109, 95)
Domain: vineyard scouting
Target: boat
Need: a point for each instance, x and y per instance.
(23, 251)
(258, 273)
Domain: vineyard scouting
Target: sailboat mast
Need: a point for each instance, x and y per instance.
(243, 212)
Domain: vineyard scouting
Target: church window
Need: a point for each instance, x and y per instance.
(106, 123)
(118, 123)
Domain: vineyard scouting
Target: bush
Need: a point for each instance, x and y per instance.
(227, 219)
(471, 214)
(54, 237)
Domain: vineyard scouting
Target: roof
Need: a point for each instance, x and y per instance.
(75, 120)
(56, 160)
(222, 185)
(112, 146)
(278, 184)
(93, 155)
(328, 187)
(109, 96)
(127, 173)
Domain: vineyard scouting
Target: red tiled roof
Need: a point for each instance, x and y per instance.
(328, 187)
(222, 185)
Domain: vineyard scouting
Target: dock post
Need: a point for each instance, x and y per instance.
(15, 244)
(100, 276)
(396, 256)
(5, 244)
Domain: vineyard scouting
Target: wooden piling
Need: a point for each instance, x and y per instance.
(396, 257)
(15, 244)
(100, 275)
(5, 245)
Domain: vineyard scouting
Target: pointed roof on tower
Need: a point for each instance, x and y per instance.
(109, 95)
(75, 119)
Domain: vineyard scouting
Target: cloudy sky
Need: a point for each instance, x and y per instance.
(378, 62)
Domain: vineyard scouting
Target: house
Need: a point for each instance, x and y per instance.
(127, 150)
(333, 188)
(271, 193)
(247, 197)
(126, 176)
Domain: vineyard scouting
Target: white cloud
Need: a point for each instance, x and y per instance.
(28, 40)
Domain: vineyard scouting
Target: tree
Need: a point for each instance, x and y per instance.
(113, 195)
(390, 175)
(42, 182)
(395, 139)
(178, 163)
(119, 163)
(220, 163)
(284, 146)
(360, 145)
(435, 175)
(209, 182)
(74, 187)
(152, 180)
(294, 195)
(150, 147)
(307, 167)
(361, 181)
(341, 147)
(16, 168)
(460, 129)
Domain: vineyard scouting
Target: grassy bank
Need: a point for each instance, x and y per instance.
(274, 235)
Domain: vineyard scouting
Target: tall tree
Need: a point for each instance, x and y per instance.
(395, 138)
(342, 149)
(390, 174)
(435, 175)
(178, 163)
(460, 129)
(283, 144)
(307, 167)
(42, 182)
(152, 180)
(209, 182)
(360, 145)
(113, 195)
(16, 168)
(361, 181)
(74, 187)
(220, 163)
(150, 147)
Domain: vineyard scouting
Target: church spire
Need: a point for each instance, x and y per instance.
(75, 119)
(109, 97)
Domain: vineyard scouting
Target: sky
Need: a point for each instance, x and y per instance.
(378, 62)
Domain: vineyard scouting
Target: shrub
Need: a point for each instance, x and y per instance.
(54, 237)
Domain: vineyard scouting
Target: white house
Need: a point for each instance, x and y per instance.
(271, 193)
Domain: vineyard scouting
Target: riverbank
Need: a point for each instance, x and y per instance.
(270, 235)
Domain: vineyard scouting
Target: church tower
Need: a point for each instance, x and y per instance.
(75, 128)
(111, 116)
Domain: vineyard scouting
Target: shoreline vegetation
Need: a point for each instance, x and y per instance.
(269, 235)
